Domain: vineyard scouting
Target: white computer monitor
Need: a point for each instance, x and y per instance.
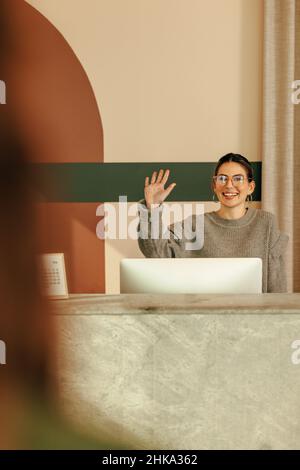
(191, 275)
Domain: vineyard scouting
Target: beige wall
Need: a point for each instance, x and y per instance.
(174, 80)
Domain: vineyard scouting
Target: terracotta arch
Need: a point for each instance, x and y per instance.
(58, 118)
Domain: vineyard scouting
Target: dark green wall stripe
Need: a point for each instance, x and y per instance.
(104, 182)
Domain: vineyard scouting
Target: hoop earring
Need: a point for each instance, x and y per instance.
(249, 199)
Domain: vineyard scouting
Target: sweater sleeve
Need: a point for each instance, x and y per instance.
(157, 240)
(277, 281)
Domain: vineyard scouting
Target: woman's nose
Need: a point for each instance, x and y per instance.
(229, 183)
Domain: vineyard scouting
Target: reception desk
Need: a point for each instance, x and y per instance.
(183, 371)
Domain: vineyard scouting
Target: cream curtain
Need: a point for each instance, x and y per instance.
(281, 125)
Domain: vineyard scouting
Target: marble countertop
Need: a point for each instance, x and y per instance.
(182, 371)
(134, 304)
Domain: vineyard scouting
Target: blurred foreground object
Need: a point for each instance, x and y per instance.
(28, 381)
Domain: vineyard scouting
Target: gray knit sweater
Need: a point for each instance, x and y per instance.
(254, 235)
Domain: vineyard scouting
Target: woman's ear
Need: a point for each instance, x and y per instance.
(212, 185)
(252, 186)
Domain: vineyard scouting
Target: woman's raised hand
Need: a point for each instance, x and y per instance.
(155, 192)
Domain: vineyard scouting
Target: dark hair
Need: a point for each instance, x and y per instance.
(236, 157)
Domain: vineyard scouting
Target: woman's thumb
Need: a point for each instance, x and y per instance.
(170, 188)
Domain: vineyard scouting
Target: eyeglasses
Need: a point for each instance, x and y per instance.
(237, 180)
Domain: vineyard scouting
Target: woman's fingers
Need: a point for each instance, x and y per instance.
(160, 175)
(169, 189)
(153, 177)
(165, 177)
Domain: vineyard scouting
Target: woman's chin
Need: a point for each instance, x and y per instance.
(231, 203)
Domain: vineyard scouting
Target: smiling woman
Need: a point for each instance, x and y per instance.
(233, 183)
(235, 230)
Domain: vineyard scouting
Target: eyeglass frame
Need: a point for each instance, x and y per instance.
(231, 178)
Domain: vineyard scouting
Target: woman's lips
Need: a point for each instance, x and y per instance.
(230, 195)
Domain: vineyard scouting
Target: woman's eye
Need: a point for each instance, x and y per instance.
(239, 179)
(222, 179)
